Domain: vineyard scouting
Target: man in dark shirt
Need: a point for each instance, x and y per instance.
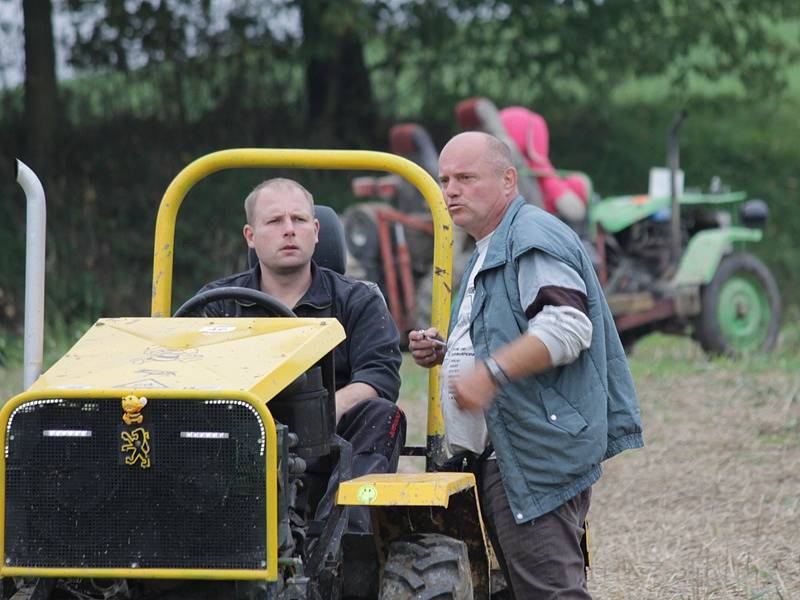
(282, 230)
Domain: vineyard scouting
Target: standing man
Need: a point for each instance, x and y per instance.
(534, 376)
(283, 231)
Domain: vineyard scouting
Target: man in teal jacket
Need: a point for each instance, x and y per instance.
(534, 376)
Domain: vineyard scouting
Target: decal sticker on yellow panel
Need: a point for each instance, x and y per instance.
(367, 494)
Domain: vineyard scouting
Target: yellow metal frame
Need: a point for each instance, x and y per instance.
(313, 159)
(270, 573)
(403, 503)
(403, 489)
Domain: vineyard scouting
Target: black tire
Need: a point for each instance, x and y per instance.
(426, 567)
(628, 340)
(361, 231)
(741, 308)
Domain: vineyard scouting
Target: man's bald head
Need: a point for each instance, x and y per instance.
(494, 150)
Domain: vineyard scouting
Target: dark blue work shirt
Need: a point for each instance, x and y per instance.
(371, 351)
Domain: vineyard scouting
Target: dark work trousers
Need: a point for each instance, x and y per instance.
(542, 559)
(376, 428)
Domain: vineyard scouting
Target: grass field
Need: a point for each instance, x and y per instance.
(710, 508)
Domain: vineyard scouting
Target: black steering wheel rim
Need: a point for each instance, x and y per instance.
(265, 301)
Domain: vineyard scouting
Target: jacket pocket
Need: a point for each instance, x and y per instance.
(561, 414)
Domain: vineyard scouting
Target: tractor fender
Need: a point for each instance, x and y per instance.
(704, 252)
(443, 503)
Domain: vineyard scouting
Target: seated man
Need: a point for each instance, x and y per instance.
(282, 230)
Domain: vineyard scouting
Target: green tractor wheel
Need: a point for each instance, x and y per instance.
(741, 308)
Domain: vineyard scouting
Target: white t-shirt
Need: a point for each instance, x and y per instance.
(464, 430)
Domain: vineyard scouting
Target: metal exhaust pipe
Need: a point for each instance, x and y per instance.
(35, 233)
(674, 164)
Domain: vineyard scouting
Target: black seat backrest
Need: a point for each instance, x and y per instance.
(330, 251)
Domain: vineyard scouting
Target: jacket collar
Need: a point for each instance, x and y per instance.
(497, 253)
(253, 279)
(318, 294)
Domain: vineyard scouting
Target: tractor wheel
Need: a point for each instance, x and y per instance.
(427, 566)
(741, 308)
(628, 340)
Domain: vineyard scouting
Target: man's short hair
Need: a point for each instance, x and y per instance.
(276, 183)
(498, 154)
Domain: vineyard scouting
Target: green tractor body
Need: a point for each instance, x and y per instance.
(725, 298)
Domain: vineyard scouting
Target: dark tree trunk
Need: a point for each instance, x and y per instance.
(41, 102)
(355, 106)
(340, 105)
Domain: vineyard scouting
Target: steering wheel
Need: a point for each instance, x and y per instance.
(196, 304)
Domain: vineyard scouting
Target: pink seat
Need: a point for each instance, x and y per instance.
(529, 132)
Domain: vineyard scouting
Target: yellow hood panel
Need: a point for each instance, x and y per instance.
(261, 356)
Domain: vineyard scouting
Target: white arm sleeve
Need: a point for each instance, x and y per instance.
(565, 330)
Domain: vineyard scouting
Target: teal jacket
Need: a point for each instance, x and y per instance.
(550, 431)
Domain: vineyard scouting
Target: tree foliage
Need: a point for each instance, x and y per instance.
(580, 50)
(158, 82)
(548, 51)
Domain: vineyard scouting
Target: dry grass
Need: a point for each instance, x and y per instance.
(710, 508)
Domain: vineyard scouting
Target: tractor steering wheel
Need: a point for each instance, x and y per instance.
(196, 304)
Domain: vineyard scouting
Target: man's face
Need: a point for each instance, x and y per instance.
(475, 191)
(284, 230)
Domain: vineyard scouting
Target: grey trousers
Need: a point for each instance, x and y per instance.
(541, 559)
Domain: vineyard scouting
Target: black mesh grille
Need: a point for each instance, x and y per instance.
(72, 501)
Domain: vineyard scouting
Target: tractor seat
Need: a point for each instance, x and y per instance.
(330, 251)
(414, 142)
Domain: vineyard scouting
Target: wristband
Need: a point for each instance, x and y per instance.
(496, 371)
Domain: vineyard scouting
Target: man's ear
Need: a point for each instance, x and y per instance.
(510, 179)
(316, 231)
(247, 230)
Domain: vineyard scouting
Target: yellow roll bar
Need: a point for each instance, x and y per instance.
(163, 251)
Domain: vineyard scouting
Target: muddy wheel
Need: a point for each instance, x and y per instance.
(741, 308)
(427, 566)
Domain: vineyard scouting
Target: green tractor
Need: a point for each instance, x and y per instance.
(669, 260)
(672, 261)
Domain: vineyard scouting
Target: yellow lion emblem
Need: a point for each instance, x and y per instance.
(133, 406)
(137, 444)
